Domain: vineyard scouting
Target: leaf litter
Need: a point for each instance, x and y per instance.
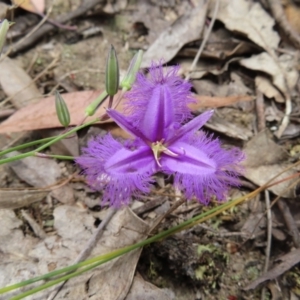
(244, 54)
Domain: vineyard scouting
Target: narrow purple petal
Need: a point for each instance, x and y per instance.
(190, 160)
(159, 114)
(123, 122)
(215, 169)
(139, 98)
(116, 171)
(191, 126)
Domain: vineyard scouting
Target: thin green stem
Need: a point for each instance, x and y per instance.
(56, 139)
(26, 145)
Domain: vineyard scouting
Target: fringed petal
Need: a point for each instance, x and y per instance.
(204, 170)
(116, 171)
(139, 98)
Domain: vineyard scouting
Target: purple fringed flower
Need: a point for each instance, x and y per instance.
(158, 105)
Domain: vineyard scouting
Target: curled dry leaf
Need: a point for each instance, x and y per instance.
(265, 86)
(250, 19)
(282, 71)
(186, 29)
(261, 168)
(142, 289)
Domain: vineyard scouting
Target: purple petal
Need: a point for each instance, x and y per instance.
(117, 171)
(139, 98)
(123, 122)
(214, 171)
(190, 160)
(191, 126)
(159, 114)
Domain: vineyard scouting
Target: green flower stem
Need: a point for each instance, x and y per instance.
(23, 146)
(56, 139)
(109, 256)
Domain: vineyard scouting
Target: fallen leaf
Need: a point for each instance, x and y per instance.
(228, 128)
(143, 290)
(17, 84)
(42, 115)
(185, 29)
(250, 19)
(287, 261)
(261, 168)
(12, 199)
(34, 6)
(281, 70)
(265, 86)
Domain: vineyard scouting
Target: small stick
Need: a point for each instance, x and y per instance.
(269, 238)
(290, 222)
(34, 225)
(260, 111)
(210, 27)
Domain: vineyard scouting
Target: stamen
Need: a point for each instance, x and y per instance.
(158, 148)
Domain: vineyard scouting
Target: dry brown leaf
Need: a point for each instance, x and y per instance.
(265, 86)
(185, 29)
(143, 290)
(42, 115)
(17, 84)
(250, 19)
(281, 71)
(12, 199)
(231, 129)
(261, 168)
(35, 6)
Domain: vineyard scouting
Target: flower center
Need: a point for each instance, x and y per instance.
(158, 148)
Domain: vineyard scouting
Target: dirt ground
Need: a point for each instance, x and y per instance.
(248, 72)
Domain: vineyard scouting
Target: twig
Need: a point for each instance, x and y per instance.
(281, 19)
(88, 248)
(269, 238)
(149, 205)
(46, 28)
(178, 202)
(210, 27)
(286, 118)
(260, 111)
(290, 222)
(34, 225)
